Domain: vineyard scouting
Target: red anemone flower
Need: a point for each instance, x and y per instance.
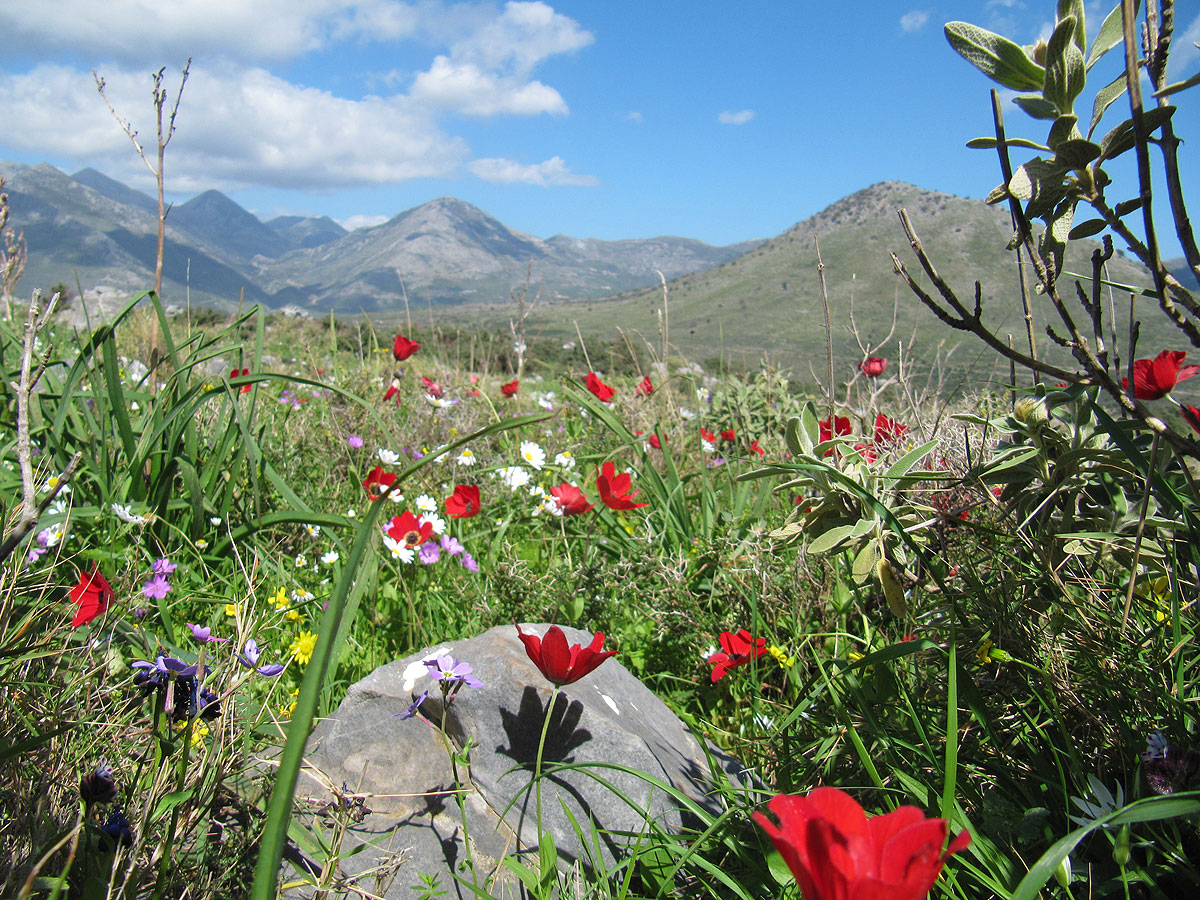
(867, 452)
(558, 662)
(872, 366)
(656, 442)
(1192, 416)
(432, 388)
(708, 436)
(614, 489)
(234, 373)
(736, 650)
(835, 851)
(570, 499)
(645, 388)
(841, 426)
(728, 435)
(757, 449)
(464, 503)
(409, 530)
(378, 481)
(1154, 378)
(510, 389)
(403, 348)
(602, 391)
(392, 391)
(887, 429)
(92, 595)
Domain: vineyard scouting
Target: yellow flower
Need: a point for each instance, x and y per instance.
(201, 544)
(290, 707)
(280, 599)
(231, 609)
(785, 661)
(984, 653)
(293, 615)
(302, 647)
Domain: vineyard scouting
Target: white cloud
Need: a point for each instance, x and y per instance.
(741, 117)
(552, 172)
(465, 88)
(635, 117)
(352, 223)
(1184, 52)
(913, 21)
(522, 36)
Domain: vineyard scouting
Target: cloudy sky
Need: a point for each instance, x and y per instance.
(717, 120)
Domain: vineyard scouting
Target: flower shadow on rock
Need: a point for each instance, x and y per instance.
(523, 728)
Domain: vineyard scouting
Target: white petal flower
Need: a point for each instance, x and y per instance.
(466, 458)
(387, 457)
(686, 413)
(438, 523)
(566, 459)
(329, 558)
(425, 503)
(513, 477)
(126, 515)
(532, 454)
(312, 530)
(399, 550)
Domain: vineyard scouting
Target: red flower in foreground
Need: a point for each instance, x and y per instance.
(1192, 416)
(233, 373)
(614, 489)
(656, 442)
(841, 426)
(872, 366)
(510, 389)
(432, 388)
(403, 348)
(570, 499)
(409, 530)
(558, 662)
(835, 852)
(728, 435)
(736, 650)
(92, 595)
(645, 388)
(757, 449)
(1154, 378)
(603, 392)
(392, 391)
(378, 481)
(888, 429)
(464, 503)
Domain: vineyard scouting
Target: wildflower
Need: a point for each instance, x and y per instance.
(409, 530)
(736, 650)
(451, 545)
(288, 708)
(509, 389)
(231, 609)
(566, 459)
(757, 449)
(436, 522)
(98, 786)
(656, 442)
(559, 663)
(728, 436)
(1192, 415)
(312, 531)
(835, 851)
(392, 391)
(156, 588)
(378, 482)
(841, 426)
(1154, 378)
(203, 635)
(439, 402)
(872, 366)
(466, 458)
(464, 503)
(704, 395)
(602, 392)
(708, 440)
(164, 567)
(644, 387)
(571, 500)
(92, 595)
(233, 373)
(125, 514)
(328, 559)
(398, 549)
(50, 536)
(432, 388)
(250, 656)
(614, 489)
(118, 829)
(685, 413)
(513, 477)
(468, 562)
(413, 707)
(302, 647)
(354, 441)
(301, 561)
(532, 454)
(888, 430)
(429, 554)
(201, 544)
(545, 400)
(448, 670)
(403, 348)
(387, 457)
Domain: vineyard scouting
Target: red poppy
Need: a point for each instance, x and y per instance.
(867, 452)
(757, 449)
(1154, 378)
(736, 650)
(92, 595)
(872, 366)
(432, 388)
(708, 437)
(510, 389)
(835, 851)
(887, 430)
(603, 392)
(409, 530)
(645, 388)
(656, 442)
(464, 503)
(392, 391)
(403, 348)
(233, 373)
(558, 662)
(1192, 416)
(728, 435)
(378, 481)
(614, 489)
(570, 499)
(841, 426)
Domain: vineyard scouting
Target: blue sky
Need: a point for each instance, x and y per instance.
(715, 120)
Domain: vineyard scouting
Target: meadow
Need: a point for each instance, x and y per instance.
(970, 616)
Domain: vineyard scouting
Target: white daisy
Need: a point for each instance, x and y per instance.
(425, 504)
(126, 515)
(513, 477)
(466, 458)
(566, 459)
(704, 395)
(399, 550)
(548, 505)
(300, 595)
(214, 520)
(438, 402)
(685, 413)
(312, 530)
(532, 454)
(387, 457)
(301, 561)
(328, 559)
(438, 523)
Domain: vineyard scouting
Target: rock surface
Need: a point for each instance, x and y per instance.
(608, 718)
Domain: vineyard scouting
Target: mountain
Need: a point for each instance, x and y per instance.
(307, 231)
(214, 218)
(114, 190)
(1181, 270)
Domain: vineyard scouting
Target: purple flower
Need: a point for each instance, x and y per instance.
(354, 441)
(204, 635)
(162, 667)
(448, 669)
(468, 562)
(451, 545)
(412, 707)
(428, 554)
(250, 656)
(156, 588)
(35, 553)
(164, 566)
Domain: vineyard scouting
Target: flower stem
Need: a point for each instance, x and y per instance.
(541, 746)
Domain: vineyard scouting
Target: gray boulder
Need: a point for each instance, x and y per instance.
(402, 769)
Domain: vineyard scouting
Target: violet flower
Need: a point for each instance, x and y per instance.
(468, 562)
(156, 588)
(250, 656)
(447, 669)
(412, 707)
(451, 545)
(204, 635)
(428, 554)
(164, 567)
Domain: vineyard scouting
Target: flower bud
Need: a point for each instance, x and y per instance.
(1120, 853)
(1031, 411)
(1062, 872)
(893, 590)
(98, 786)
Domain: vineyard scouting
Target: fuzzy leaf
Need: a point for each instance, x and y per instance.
(996, 57)
(1076, 154)
(831, 539)
(1037, 107)
(1121, 138)
(1105, 97)
(1065, 74)
(1087, 229)
(1178, 86)
(1074, 9)
(865, 562)
(989, 143)
(1111, 33)
(1125, 207)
